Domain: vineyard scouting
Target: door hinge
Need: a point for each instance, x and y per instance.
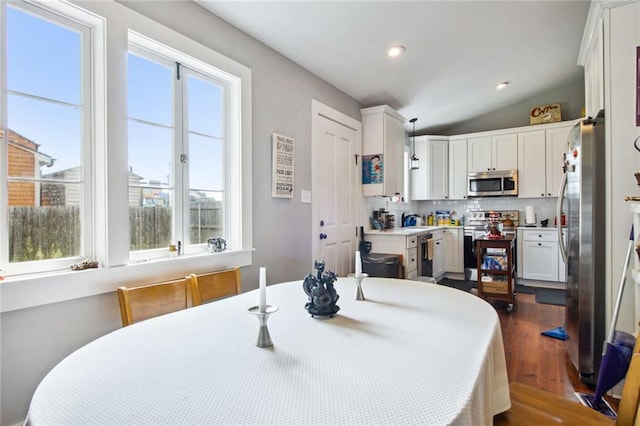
(178, 70)
(356, 159)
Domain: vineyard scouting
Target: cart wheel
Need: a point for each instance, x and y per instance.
(510, 307)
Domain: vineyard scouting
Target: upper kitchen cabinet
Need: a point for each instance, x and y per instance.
(457, 169)
(431, 180)
(492, 152)
(540, 160)
(383, 141)
(592, 57)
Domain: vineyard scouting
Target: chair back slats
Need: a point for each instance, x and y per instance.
(214, 285)
(144, 302)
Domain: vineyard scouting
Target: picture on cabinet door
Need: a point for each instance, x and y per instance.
(372, 166)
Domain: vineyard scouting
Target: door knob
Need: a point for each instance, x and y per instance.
(323, 236)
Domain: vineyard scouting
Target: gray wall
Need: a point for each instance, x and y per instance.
(34, 340)
(569, 96)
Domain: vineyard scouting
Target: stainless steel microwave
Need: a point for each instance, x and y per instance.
(492, 184)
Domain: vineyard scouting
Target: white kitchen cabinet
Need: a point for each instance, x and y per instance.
(453, 241)
(593, 61)
(457, 169)
(431, 180)
(383, 136)
(540, 161)
(407, 246)
(492, 152)
(540, 254)
(531, 164)
(439, 253)
(556, 145)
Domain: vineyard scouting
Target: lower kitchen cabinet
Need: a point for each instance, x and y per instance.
(407, 246)
(438, 253)
(453, 239)
(540, 254)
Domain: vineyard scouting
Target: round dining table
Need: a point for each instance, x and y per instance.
(410, 353)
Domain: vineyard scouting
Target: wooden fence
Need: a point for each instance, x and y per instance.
(43, 233)
(37, 233)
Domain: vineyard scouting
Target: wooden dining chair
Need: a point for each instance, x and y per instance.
(533, 406)
(215, 285)
(148, 301)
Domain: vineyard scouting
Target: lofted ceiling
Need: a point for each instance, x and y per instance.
(456, 51)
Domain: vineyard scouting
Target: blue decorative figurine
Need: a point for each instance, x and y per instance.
(322, 294)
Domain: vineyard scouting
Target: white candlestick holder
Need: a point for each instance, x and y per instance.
(264, 338)
(359, 278)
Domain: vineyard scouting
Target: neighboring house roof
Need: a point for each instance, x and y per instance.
(18, 141)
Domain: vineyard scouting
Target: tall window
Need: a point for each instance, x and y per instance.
(178, 153)
(46, 201)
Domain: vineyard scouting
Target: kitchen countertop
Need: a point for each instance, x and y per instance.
(539, 228)
(408, 231)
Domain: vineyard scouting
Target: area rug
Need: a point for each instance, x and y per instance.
(525, 289)
(467, 285)
(459, 284)
(550, 296)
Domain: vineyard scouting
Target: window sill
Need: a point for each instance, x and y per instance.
(26, 291)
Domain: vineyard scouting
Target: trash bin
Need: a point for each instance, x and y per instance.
(384, 265)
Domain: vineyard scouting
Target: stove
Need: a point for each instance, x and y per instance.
(479, 219)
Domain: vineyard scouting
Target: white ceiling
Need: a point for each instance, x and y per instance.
(456, 51)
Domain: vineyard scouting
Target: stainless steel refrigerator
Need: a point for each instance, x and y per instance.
(582, 199)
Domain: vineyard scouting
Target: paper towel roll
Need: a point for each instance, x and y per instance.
(530, 215)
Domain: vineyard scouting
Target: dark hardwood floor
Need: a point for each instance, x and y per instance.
(535, 359)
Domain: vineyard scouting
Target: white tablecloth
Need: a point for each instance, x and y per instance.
(412, 353)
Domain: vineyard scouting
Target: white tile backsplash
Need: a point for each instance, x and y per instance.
(545, 208)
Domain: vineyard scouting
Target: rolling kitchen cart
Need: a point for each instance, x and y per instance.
(495, 260)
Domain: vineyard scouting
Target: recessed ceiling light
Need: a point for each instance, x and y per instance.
(502, 85)
(396, 51)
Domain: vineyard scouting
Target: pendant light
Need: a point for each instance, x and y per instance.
(415, 162)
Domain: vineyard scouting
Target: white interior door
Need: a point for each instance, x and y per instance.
(335, 188)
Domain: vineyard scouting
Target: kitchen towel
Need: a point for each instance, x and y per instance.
(429, 253)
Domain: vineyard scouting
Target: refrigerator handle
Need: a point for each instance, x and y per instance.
(563, 186)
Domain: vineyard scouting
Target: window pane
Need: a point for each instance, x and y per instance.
(150, 220)
(45, 128)
(206, 216)
(43, 58)
(150, 98)
(47, 231)
(150, 153)
(150, 88)
(205, 107)
(206, 168)
(47, 134)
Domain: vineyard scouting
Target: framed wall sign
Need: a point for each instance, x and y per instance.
(638, 86)
(282, 153)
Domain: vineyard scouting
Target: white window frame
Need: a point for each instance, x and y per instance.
(91, 29)
(233, 223)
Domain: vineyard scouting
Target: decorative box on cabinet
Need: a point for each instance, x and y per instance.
(383, 141)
